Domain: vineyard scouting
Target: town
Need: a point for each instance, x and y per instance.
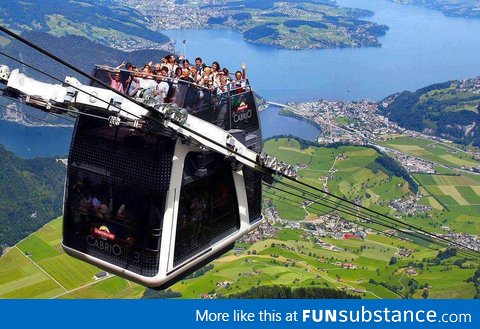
(284, 23)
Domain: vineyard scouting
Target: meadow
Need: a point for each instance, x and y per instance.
(295, 258)
(37, 267)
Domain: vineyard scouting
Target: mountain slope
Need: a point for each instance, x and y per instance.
(449, 110)
(31, 194)
(77, 50)
(101, 20)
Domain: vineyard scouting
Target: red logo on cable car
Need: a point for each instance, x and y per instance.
(104, 233)
(242, 107)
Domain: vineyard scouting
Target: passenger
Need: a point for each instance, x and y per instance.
(186, 64)
(99, 207)
(186, 75)
(227, 73)
(116, 81)
(135, 84)
(156, 69)
(207, 77)
(222, 82)
(85, 203)
(199, 65)
(161, 90)
(126, 76)
(178, 73)
(164, 61)
(239, 84)
(172, 65)
(197, 209)
(244, 71)
(181, 61)
(146, 80)
(215, 72)
(193, 73)
(147, 68)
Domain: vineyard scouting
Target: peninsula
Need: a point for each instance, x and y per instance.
(291, 24)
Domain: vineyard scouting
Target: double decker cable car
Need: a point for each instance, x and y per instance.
(155, 188)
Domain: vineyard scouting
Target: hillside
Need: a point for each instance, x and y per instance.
(31, 194)
(454, 8)
(104, 21)
(77, 50)
(311, 252)
(449, 110)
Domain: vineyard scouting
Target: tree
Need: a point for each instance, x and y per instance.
(393, 260)
(425, 294)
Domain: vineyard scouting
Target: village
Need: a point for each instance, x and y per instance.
(361, 123)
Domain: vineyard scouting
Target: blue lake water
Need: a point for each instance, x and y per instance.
(422, 47)
(30, 142)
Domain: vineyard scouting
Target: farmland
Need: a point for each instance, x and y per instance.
(38, 268)
(348, 171)
(300, 263)
(295, 256)
(438, 152)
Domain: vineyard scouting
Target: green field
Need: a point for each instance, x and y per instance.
(348, 171)
(442, 153)
(300, 263)
(38, 268)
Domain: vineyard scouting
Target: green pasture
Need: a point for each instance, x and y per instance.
(436, 152)
(38, 268)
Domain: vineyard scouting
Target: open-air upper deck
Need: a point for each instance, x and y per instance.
(231, 107)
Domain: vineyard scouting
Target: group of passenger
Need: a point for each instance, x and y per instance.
(131, 79)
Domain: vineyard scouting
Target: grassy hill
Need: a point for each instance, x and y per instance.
(103, 21)
(302, 263)
(449, 110)
(38, 268)
(348, 171)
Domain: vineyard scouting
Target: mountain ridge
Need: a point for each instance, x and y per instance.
(449, 110)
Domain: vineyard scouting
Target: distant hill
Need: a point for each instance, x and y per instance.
(105, 21)
(77, 50)
(31, 194)
(455, 8)
(449, 110)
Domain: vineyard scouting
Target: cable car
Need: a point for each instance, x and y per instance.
(152, 207)
(153, 202)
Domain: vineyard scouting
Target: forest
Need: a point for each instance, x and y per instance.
(31, 194)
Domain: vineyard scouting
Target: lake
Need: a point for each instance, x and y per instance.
(31, 142)
(422, 47)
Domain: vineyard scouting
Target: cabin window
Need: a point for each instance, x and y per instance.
(208, 209)
(116, 191)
